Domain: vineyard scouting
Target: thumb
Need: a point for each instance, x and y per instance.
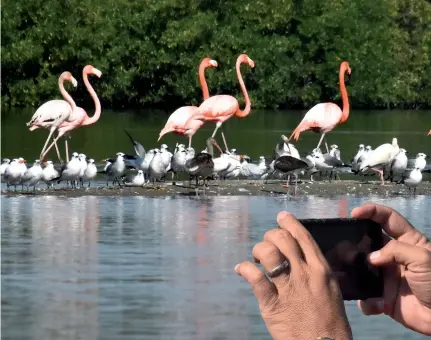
(395, 252)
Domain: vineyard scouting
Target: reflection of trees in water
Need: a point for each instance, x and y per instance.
(59, 270)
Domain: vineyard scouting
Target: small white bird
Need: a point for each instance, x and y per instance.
(157, 168)
(356, 159)
(398, 165)
(419, 162)
(13, 172)
(70, 171)
(32, 175)
(380, 157)
(412, 179)
(116, 169)
(90, 171)
(135, 180)
(166, 156)
(49, 173)
(250, 170)
(83, 163)
(5, 163)
(178, 160)
(335, 151)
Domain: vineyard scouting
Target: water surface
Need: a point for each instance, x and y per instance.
(152, 268)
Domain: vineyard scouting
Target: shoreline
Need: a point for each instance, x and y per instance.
(235, 188)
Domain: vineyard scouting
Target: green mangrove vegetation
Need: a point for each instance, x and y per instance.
(149, 50)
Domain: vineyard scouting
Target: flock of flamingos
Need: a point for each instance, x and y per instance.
(63, 116)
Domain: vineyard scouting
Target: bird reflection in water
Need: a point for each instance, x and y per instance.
(67, 263)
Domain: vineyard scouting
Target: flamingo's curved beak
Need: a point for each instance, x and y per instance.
(97, 72)
(74, 82)
(250, 62)
(213, 63)
(165, 131)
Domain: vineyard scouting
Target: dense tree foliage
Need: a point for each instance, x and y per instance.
(149, 50)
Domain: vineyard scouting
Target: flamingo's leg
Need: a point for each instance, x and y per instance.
(67, 149)
(52, 144)
(58, 152)
(224, 141)
(190, 142)
(326, 144)
(381, 174)
(217, 127)
(320, 141)
(42, 154)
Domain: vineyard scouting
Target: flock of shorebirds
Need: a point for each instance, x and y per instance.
(63, 116)
(143, 167)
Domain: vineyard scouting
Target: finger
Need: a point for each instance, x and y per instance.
(392, 223)
(392, 279)
(264, 290)
(309, 247)
(395, 252)
(287, 244)
(371, 306)
(270, 257)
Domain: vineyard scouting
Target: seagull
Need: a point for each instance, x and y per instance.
(70, 171)
(135, 180)
(398, 165)
(380, 157)
(325, 162)
(13, 172)
(157, 168)
(49, 173)
(178, 161)
(356, 159)
(166, 156)
(250, 170)
(116, 169)
(412, 179)
(419, 162)
(83, 166)
(32, 175)
(90, 171)
(5, 163)
(335, 151)
(139, 149)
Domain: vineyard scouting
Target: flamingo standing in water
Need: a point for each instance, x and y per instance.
(221, 107)
(79, 117)
(323, 117)
(53, 113)
(177, 119)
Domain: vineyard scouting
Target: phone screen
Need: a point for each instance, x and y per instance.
(346, 242)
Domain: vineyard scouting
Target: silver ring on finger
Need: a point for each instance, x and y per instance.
(279, 269)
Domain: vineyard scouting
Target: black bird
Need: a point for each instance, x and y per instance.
(290, 165)
(202, 164)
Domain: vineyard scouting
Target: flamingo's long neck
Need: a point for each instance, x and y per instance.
(345, 98)
(96, 116)
(247, 108)
(66, 95)
(203, 81)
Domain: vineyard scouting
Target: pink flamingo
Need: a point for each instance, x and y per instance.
(324, 117)
(177, 119)
(79, 117)
(53, 113)
(220, 108)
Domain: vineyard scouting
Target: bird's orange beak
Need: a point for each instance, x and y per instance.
(45, 163)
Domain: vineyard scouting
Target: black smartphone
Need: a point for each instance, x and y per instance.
(346, 242)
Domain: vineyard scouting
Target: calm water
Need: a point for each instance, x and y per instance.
(254, 135)
(145, 268)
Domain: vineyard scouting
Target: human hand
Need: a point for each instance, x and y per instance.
(304, 300)
(407, 262)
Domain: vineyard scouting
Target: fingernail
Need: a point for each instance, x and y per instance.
(282, 215)
(374, 255)
(237, 269)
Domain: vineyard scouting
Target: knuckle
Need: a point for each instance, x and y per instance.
(425, 255)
